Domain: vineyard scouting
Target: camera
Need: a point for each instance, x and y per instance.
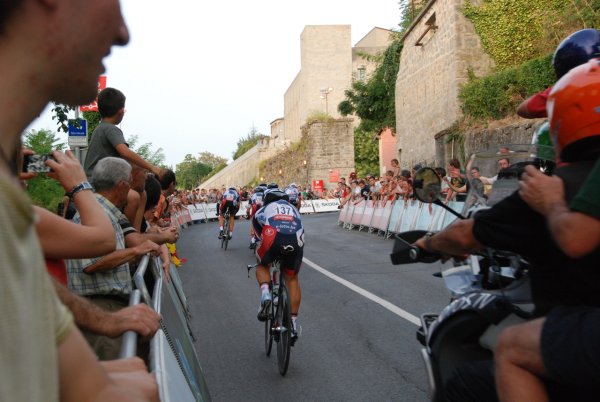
(36, 163)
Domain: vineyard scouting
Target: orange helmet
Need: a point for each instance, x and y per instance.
(574, 112)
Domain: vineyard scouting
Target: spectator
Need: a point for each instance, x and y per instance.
(395, 167)
(167, 183)
(457, 184)
(365, 190)
(43, 355)
(107, 139)
(106, 281)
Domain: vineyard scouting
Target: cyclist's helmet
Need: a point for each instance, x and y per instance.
(232, 188)
(260, 189)
(576, 49)
(293, 185)
(544, 146)
(573, 110)
(274, 194)
(272, 185)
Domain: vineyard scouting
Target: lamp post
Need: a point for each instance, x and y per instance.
(305, 171)
(324, 93)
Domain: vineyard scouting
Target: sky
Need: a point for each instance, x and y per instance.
(198, 76)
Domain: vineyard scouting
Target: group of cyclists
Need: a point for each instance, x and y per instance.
(276, 226)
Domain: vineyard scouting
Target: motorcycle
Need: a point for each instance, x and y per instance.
(488, 291)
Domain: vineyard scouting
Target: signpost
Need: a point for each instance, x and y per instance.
(77, 133)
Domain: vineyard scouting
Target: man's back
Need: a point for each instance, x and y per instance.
(281, 215)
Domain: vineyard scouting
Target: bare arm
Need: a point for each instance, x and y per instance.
(134, 210)
(132, 157)
(82, 378)
(456, 239)
(139, 318)
(577, 234)
(93, 237)
(160, 236)
(118, 257)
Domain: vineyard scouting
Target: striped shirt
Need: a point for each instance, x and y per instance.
(117, 281)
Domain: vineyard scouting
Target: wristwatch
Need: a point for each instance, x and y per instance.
(427, 242)
(84, 185)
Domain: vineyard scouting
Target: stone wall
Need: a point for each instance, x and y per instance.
(439, 48)
(244, 169)
(324, 146)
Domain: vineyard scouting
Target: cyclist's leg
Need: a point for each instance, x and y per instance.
(290, 265)
(293, 285)
(265, 255)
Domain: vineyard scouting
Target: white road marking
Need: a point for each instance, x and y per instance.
(383, 303)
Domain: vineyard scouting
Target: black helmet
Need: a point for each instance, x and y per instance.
(260, 189)
(272, 185)
(274, 195)
(576, 49)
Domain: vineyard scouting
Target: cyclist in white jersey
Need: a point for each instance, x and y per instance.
(294, 195)
(230, 201)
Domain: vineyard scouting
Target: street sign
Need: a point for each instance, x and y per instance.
(78, 133)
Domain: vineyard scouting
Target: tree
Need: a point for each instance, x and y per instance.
(191, 171)
(246, 143)
(211, 160)
(155, 157)
(43, 190)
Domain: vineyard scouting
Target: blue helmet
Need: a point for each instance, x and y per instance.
(576, 49)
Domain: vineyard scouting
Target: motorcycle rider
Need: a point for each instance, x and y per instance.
(556, 278)
(563, 345)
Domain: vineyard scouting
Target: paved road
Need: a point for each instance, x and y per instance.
(351, 347)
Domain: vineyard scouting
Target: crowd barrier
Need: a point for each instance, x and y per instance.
(208, 211)
(172, 356)
(388, 218)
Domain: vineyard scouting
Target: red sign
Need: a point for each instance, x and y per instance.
(93, 107)
(334, 176)
(318, 185)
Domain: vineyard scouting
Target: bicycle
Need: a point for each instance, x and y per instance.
(225, 236)
(278, 326)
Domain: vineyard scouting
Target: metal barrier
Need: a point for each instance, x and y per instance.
(396, 216)
(172, 355)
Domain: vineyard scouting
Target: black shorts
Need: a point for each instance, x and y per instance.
(230, 206)
(570, 345)
(270, 250)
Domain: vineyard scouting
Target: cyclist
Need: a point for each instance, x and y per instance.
(256, 202)
(294, 195)
(277, 224)
(230, 201)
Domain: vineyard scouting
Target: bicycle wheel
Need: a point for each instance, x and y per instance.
(269, 332)
(225, 238)
(284, 321)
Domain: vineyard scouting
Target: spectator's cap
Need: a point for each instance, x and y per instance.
(573, 107)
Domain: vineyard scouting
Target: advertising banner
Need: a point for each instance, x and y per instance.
(307, 207)
(197, 213)
(210, 210)
(326, 205)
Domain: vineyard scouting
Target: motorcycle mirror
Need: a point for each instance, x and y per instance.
(427, 185)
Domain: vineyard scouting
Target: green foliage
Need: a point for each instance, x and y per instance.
(373, 101)
(514, 31)
(93, 119)
(366, 153)
(43, 190)
(211, 160)
(154, 156)
(61, 115)
(246, 143)
(215, 171)
(498, 95)
(191, 172)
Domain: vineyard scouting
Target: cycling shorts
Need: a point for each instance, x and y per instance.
(270, 250)
(230, 206)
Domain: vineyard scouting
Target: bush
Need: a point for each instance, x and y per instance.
(498, 95)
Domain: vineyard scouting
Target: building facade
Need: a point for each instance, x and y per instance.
(440, 47)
